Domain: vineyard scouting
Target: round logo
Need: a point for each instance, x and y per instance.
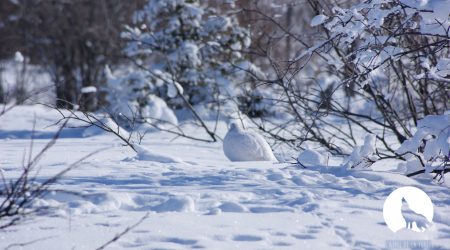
(408, 207)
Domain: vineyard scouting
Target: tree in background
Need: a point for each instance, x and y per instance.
(196, 49)
(74, 40)
(190, 55)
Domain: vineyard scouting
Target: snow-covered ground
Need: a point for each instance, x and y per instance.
(205, 201)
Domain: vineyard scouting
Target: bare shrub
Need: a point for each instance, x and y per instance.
(18, 195)
(359, 76)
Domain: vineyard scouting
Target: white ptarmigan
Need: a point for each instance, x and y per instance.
(241, 145)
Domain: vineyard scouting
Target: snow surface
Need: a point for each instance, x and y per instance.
(145, 154)
(206, 201)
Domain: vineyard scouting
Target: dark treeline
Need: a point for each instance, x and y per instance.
(74, 40)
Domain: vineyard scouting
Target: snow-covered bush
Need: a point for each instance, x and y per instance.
(362, 156)
(131, 95)
(23, 82)
(194, 47)
(377, 66)
(14, 78)
(311, 158)
(395, 55)
(382, 33)
(430, 145)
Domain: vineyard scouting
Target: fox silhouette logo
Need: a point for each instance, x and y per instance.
(408, 208)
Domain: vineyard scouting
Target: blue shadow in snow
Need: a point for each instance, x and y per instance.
(27, 134)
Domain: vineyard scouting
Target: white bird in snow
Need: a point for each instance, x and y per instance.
(241, 145)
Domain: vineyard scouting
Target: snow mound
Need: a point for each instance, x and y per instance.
(241, 145)
(144, 154)
(158, 111)
(101, 125)
(176, 204)
(311, 158)
(88, 203)
(232, 207)
(410, 166)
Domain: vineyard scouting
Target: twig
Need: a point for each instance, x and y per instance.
(121, 234)
(28, 242)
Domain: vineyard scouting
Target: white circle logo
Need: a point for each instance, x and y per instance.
(408, 207)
